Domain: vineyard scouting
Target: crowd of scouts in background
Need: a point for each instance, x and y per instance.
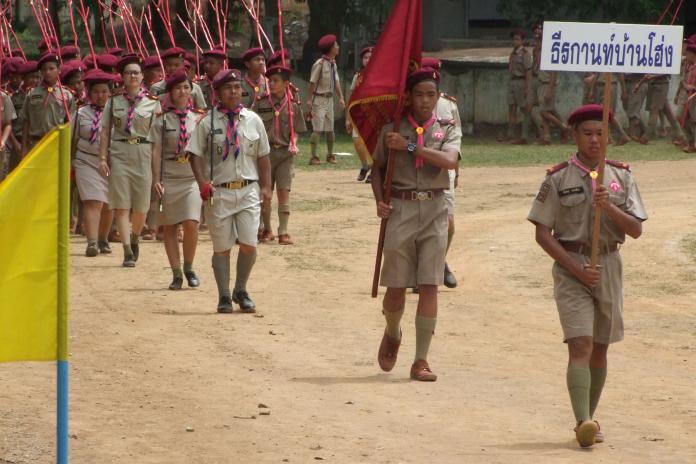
(532, 92)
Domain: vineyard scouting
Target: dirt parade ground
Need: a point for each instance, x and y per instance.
(158, 377)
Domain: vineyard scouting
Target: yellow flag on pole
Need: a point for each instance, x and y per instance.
(34, 221)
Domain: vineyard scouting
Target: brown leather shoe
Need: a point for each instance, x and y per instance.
(585, 433)
(314, 161)
(266, 236)
(284, 239)
(331, 159)
(421, 371)
(388, 350)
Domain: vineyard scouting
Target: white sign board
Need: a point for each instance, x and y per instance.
(611, 47)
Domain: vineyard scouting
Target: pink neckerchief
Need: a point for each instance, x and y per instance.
(96, 122)
(183, 132)
(332, 63)
(276, 115)
(51, 91)
(132, 102)
(593, 174)
(231, 136)
(420, 131)
(255, 86)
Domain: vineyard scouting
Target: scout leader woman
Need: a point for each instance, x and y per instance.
(126, 127)
(92, 185)
(175, 184)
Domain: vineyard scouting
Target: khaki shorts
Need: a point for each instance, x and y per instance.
(541, 89)
(516, 92)
(322, 114)
(282, 168)
(657, 96)
(594, 313)
(234, 214)
(634, 105)
(415, 244)
(599, 94)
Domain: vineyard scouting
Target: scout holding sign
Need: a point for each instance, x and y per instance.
(582, 214)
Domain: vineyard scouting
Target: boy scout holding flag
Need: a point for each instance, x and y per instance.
(589, 299)
(231, 165)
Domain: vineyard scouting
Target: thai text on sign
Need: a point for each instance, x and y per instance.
(611, 47)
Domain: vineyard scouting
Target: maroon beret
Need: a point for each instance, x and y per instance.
(175, 78)
(68, 71)
(252, 53)
(68, 51)
(584, 113)
(174, 52)
(11, 64)
(116, 51)
(326, 42)
(368, 49)
(282, 70)
(225, 76)
(190, 57)
(74, 64)
(106, 60)
(428, 62)
(43, 45)
(277, 58)
(97, 76)
(118, 80)
(423, 74)
(28, 67)
(49, 57)
(187, 65)
(216, 52)
(126, 60)
(151, 61)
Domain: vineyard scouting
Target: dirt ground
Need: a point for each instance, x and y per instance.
(147, 363)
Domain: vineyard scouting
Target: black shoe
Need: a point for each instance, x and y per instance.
(192, 279)
(104, 248)
(91, 250)
(136, 251)
(225, 305)
(176, 284)
(245, 304)
(450, 280)
(362, 174)
(128, 261)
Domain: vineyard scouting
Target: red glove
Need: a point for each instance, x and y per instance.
(206, 191)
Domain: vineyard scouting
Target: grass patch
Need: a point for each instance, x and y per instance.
(482, 152)
(318, 204)
(688, 245)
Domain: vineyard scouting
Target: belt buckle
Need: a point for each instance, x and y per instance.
(133, 141)
(237, 184)
(422, 196)
(183, 159)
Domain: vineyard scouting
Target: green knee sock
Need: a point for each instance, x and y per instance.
(393, 323)
(313, 142)
(176, 271)
(283, 218)
(425, 328)
(221, 269)
(244, 265)
(266, 219)
(599, 376)
(578, 380)
(330, 142)
(127, 250)
(134, 238)
(188, 267)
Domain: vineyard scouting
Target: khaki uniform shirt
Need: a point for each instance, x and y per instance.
(324, 75)
(253, 145)
(542, 76)
(45, 111)
(442, 135)
(116, 116)
(520, 62)
(447, 109)
(8, 110)
(82, 130)
(267, 109)
(207, 89)
(165, 130)
(564, 204)
(18, 98)
(158, 89)
(253, 92)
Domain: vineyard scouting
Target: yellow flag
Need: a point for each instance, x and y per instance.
(34, 221)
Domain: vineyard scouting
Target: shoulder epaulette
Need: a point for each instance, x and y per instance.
(619, 164)
(556, 168)
(160, 114)
(198, 111)
(448, 97)
(151, 97)
(446, 122)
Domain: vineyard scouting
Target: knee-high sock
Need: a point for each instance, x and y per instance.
(330, 142)
(598, 376)
(266, 219)
(393, 319)
(578, 380)
(245, 264)
(425, 328)
(283, 218)
(221, 269)
(313, 142)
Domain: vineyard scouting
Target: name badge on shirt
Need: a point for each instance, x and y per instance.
(217, 131)
(570, 191)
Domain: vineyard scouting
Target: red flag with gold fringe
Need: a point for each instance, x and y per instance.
(378, 97)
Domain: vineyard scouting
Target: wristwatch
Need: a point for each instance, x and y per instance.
(411, 148)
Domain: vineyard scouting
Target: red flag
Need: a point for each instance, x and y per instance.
(378, 97)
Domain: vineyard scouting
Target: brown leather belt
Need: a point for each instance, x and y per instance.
(417, 195)
(325, 94)
(134, 141)
(581, 248)
(236, 185)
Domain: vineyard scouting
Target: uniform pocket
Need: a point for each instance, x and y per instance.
(572, 206)
(250, 143)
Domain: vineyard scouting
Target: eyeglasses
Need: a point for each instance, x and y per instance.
(131, 73)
